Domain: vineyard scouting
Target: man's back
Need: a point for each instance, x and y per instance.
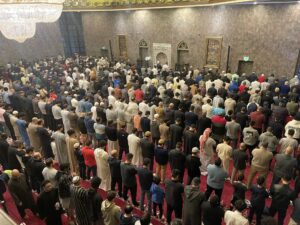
(174, 190)
(261, 158)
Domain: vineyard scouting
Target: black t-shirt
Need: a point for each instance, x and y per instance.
(211, 215)
(174, 190)
(239, 159)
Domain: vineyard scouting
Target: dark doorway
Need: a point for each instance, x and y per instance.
(245, 67)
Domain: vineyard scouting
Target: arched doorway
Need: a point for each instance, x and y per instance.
(182, 56)
(162, 58)
(143, 53)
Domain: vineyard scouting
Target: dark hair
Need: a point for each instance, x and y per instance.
(88, 143)
(45, 182)
(214, 200)
(128, 209)
(49, 162)
(252, 123)
(146, 161)
(111, 195)
(196, 181)
(291, 132)
(156, 179)
(59, 126)
(102, 143)
(95, 182)
(240, 205)
(129, 156)
(218, 162)
(268, 220)
(241, 177)
(146, 219)
(175, 173)
(71, 132)
(64, 166)
(260, 180)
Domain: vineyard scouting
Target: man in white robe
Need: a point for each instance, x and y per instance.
(103, 170)
(135, 147)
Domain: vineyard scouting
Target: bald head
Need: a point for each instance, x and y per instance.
(37, 155)
(243, 146)
(15, 173)
(114, 153)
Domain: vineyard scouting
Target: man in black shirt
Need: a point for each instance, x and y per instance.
(128, 172)
(212, 212)
(115, 171)
(193, 165)
(240, 158)
(281, 197)
(177, 159)
(174, 190)
(176, 131)
(146, 178)
(145, 122)
(123, 141)
(147, 147)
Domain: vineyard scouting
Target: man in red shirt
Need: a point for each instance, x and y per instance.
(139, 95)
(89, 159)
(259, 118)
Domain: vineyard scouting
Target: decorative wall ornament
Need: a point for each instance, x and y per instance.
(143, 44)
(131, 4)
(213, 52)
(182, 46)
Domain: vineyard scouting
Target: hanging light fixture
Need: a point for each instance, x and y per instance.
(18, 18)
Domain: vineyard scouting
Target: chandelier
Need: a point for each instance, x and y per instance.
(18, 18)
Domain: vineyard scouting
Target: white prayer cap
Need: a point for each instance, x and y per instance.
(96, 104)
(195, 150)
(66, 92)
(75, 95)
(75, 179)
(101, 103)
(156, 116)
(15, 112)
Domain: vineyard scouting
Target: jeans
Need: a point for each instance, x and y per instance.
(177, 210)
(143, 193)
(132, 192)
(210, 189)
(114, 181)
(160, 207)
(92, 169)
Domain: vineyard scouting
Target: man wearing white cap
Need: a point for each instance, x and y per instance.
(13, 120)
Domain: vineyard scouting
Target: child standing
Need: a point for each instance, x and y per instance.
(258, 199)
(158, 196)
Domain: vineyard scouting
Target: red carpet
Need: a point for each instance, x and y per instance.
(226, 197)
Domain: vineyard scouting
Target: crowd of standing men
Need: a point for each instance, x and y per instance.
(115, 125)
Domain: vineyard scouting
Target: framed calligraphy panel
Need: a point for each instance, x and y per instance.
(213, 52)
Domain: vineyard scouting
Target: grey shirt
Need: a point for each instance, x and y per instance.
(285, 165)
(250, 136)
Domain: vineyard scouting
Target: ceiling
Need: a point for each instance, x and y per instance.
(115, 5)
